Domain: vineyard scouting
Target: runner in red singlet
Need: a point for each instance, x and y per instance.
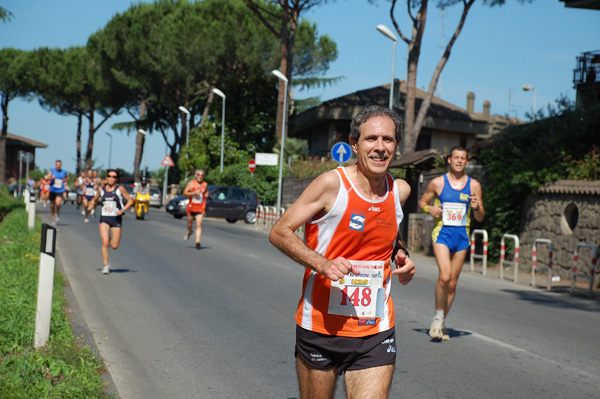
(197, 190)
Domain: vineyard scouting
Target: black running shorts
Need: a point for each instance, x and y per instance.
(323, 352)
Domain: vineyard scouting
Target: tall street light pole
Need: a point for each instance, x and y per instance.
(222, 95)
(187, 134)
(109, 150)
(285, 80)
(389, 34)
(527, 87)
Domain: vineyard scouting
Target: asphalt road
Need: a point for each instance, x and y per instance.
(175, 322)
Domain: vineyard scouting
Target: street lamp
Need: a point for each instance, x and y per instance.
(222, 95)
(388, 33)
(187, 134)
(142, 131)
(527, 87)
(285, 80)
(109, 149)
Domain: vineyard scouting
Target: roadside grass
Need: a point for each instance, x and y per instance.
(61, 369)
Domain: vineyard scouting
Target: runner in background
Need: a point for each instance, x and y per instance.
(115, 202)
(455, 194)
(58, 181)
(197, 190)
(90, 189)
(79, 189)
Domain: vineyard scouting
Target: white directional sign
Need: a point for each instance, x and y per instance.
(266, 158)
(341, 152)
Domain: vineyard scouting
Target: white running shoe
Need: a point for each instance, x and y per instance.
(82, 212)
(187, 235)
(57, 218)
(437, 326)
(86, 220)
(53, 222)
(106, 269)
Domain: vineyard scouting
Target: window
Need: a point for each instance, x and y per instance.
(220, 193)
(569, 218)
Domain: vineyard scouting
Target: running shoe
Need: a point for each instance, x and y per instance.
(86, 220)
(187, 235)
(82, 212)
(445, 335)
(198, 245)
(436, 327)
(106, 269)
(53, 222)
(57, 218)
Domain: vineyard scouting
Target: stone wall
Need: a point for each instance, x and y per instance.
(565, 219)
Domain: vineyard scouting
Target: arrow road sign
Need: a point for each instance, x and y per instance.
(341, 152)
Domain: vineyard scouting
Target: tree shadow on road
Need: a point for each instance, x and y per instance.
(559, 297)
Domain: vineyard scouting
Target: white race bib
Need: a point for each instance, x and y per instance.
(454, 214)
(89, 191)
(359, 296)
(198, 198)
(109, 208)
(58, 183)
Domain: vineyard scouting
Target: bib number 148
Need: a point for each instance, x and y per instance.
(356, 295)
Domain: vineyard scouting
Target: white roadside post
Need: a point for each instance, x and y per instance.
(31, 212)
(45, 286)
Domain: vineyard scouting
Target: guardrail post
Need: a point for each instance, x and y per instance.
(260, 216)
(483, 257)
(575, 274)
(515, 261)
(45, 286)
(534, 260)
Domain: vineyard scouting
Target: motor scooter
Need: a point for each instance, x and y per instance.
(142, 204)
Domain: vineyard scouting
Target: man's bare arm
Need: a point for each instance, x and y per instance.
(317, 199)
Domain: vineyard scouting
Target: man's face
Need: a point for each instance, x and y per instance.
(458, 161)
(199, 176)
(376, 145)
(95, 173)
(58, 165)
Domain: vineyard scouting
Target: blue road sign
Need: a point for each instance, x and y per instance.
(341, 152)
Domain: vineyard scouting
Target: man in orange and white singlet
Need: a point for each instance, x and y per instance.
(197, 190)
(345, 318)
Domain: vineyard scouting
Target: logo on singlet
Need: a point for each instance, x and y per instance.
(374, 208)
(357, 222)
(366, 322)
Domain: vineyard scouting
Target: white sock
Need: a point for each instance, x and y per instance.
(439, 313)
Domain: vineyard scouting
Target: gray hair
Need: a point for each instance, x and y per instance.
(373, 111)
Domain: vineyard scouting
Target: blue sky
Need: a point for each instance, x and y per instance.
(499, 50)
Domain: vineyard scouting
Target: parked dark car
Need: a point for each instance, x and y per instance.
(231, 203)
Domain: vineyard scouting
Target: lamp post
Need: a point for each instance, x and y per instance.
(109, 150)
(187, 134)
(285, 80)
(527, 87)
(389, 34)
(222, 95)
